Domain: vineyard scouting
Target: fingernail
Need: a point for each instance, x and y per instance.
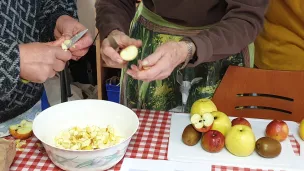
(145, 63)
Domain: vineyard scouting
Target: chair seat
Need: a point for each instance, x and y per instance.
(259, 93)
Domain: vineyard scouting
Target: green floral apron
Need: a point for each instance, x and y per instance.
(166, 94)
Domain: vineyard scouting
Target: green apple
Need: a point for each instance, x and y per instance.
(221, 122)
(202, 106)
(240, 141)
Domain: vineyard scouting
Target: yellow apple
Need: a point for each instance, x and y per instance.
(221, 122)
(240, 141)
(301, 129)
(202, 106)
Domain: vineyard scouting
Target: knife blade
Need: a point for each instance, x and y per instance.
(69, 43)
(113, 43)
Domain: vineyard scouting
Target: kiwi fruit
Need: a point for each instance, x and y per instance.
(268, 147)
(191, 136)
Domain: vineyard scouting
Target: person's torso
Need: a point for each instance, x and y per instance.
(192, 13)
(281, 44)
(19, 22)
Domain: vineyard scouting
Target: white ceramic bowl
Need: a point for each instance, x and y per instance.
(55, 119)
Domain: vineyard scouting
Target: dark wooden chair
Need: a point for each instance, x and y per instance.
(264, 94)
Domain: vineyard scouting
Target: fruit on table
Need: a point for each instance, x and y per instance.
(240, 141)
(213, 141)
(191, 136)
(221, 122)
(277, 129)
(240, 121)
(202, 106)
(22, 131)
(129, 53)
(301, 129)
(202, 123)
(268, 147)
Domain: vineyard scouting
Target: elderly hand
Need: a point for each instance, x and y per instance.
(40, 61)
(110, 55)
(161, 63)
(67, 27)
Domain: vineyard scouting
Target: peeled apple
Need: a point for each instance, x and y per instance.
(129, 53)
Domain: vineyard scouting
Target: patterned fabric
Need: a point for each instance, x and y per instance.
(24, 21)
(151, 141)
(181, 88)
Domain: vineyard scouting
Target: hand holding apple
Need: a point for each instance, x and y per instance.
(129, 53)
(213, 141)
(278, 130)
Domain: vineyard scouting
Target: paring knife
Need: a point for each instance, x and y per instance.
(64, 78)
(69, 43)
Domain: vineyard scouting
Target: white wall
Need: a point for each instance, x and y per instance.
(86, 13)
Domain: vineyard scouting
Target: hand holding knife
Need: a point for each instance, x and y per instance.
(64, 78)
(67, 44)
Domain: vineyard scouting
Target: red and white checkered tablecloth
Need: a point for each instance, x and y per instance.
(150, 142)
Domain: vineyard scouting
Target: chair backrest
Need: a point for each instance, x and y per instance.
(264, 94)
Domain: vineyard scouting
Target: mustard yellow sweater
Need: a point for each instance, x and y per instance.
(280, 46)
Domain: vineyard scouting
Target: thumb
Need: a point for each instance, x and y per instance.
(57, 42)
(152, 59)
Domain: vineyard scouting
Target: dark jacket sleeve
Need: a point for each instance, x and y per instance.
(51, 10)
(114, 14)
(237, 29)
(9, 66)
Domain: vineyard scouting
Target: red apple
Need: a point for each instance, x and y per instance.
(240, 121)
(202, 123)
(277, 129)
(213, 141)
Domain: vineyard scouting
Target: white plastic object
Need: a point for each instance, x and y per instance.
(184, 88)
